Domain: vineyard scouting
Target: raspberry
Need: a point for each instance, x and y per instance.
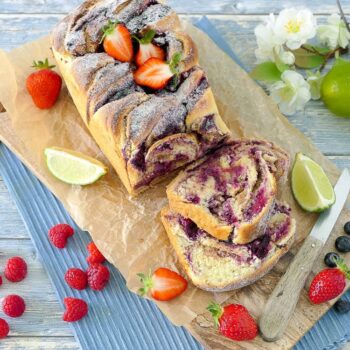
(95, 255)
(0, 281)
(76, 309)
(59, 234)
(13, 305)
(15, 269)
(4, 328)
(98, 276)
(76, 278)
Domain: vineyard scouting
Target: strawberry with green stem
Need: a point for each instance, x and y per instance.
(164, 284)
(329, 283)
(233, 321)
(147, 49)
(156, 73)
(117, 41)
(44, 85)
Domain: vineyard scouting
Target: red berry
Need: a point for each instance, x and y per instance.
(0, 281)
(44, 85)
(117, 42)
(15, 269)
(164, 284)
(4, 328)
(234, 321)
(327, 285)
(13, 305)
(76, 278)
(98, 276)
(95, 255)
(76, 309)
(59, 234)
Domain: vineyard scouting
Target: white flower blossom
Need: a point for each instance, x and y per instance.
(294, 27)
(315, 82)
(334, 33)
(291, 93)
(270, 47)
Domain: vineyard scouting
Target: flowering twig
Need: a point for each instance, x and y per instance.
(334, 53)
(343, 15)
(313, 50)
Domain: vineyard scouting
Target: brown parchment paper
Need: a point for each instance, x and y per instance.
(128, 231)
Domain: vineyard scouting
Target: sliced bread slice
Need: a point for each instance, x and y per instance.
(215, 265)
(230, 193)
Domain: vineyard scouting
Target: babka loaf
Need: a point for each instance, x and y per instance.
(230, 192)
(145, 133)
(215, 265)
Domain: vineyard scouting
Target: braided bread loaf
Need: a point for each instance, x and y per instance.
(145, 134)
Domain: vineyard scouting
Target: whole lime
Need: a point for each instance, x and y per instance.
(335, 88)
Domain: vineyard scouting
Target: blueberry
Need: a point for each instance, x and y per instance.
(330, 259)
(342, 244)
(342, 306)
(347, 228)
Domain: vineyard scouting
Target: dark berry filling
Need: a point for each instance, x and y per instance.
(257, 205)
(138, 160)
(191, 229)
(260, 247)
(193, 198)
(227, 213)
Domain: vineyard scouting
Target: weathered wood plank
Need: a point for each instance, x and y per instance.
(11, 223)
(39, 343)
(43, 313)
(341, 162)
(329, 133)
(183, 6)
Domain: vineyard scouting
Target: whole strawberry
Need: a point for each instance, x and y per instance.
(95, 256)
(44, 85)
(329, 283)
(98, 276)
(4, 328)
(234, 321)
(59, 234)
(13, 305)
(15, 269)
(76, 278)
(76, 309)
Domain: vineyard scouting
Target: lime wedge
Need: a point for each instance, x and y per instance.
(73, 167)
(311, 186)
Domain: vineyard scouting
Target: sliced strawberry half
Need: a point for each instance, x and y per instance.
(147, 49)
(117, 41)
(164, 284)
(156, 73)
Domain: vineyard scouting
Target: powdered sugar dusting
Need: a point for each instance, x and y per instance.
(84, 68)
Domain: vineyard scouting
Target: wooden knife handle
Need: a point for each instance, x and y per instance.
(283, 300)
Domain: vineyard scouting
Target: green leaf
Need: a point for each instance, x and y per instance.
(148, 37)
(310, 56)
(266, 71)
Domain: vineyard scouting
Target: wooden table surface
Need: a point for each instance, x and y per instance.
(23, 20)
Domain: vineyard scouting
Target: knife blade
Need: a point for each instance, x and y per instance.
(282, 302)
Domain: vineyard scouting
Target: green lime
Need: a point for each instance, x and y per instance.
(311, 186)
(335, 88)
(73, 167)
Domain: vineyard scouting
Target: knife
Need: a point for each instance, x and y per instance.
(283, 300)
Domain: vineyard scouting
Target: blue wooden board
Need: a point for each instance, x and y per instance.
(117, 318)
